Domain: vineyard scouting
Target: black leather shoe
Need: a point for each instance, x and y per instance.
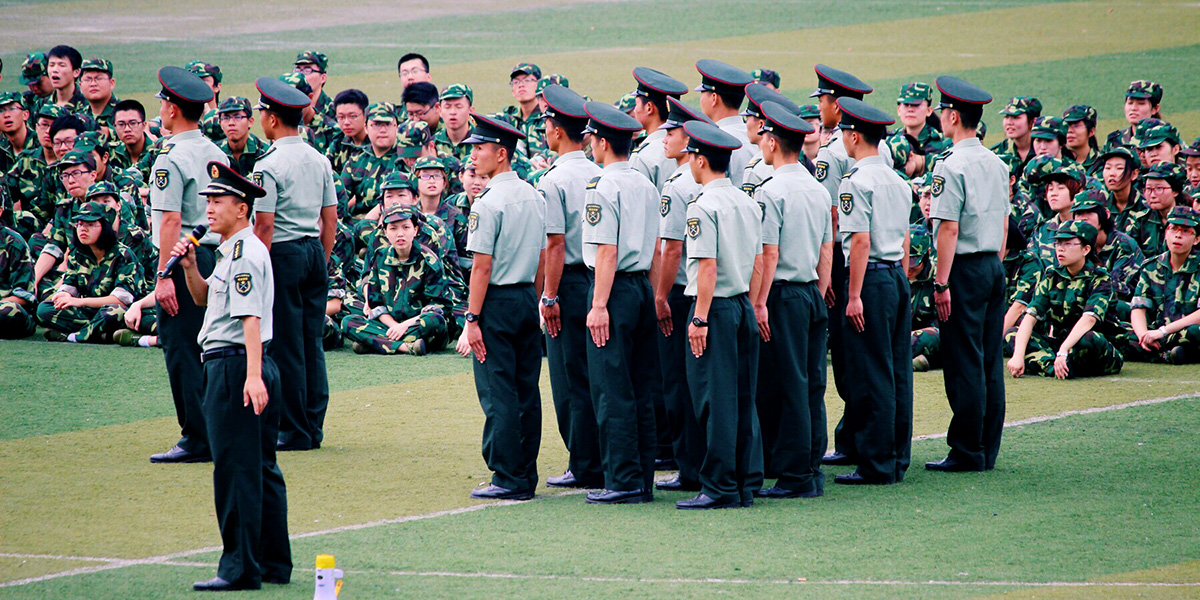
(856, 479)
(568, 480)
(778, 492)
(216, 584)
(703, 502)
(949, 465)
(179, 455)
(276, 580)
(495, 492)
(665, 464)
(285, 447)
(837, 459)
(677, 485)
(638, 496)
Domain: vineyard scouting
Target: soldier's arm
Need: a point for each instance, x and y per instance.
(825, 268)
(328, 228)
(254, 391)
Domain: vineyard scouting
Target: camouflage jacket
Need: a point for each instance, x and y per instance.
(244, 164)
(1123, 259)
(1135, 204)
(534, 129)
(403, 288)
(363, 175)
(1060, 299)
(1027, 215)
(1167, 295)
(1042, 240)
(465, 257)
(321, 133)
(8, 154)
(431, 233)
(16, 267)
(210, 125)
(445, 147)
(1147, 228)
(105, 117)
(342, 152)
(117, 274)
(1022, 272)
(456, 220)
(34, 185)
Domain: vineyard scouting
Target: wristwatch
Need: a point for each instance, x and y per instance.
(471, 317)
(162, 275)
(1060, 354)
(698, 322)
(940, 287)
(549, 301)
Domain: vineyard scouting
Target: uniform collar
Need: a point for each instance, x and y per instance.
(871, 160)
(291, 139)
(572, 155)
(226, 247)
(965, 143)
(790, 168)
(617, 166)
(723, 182)
(187, 135)
(503, 177)
(735, 119)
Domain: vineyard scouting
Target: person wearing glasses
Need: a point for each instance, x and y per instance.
(1162, 186)
(30, 182)
(96, 83)
(421, 103)
(524, 115)
(129, 126)
(350, 112)
(17, 137)
(242, 147)
(313, 66)
(77, 172)
(433, 179)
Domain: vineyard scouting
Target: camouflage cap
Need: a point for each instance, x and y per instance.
(1014, 163)
(102, 188)
(95, 211)
(1080, 112)
(1022, 105)
(1184, 216)
(203, 69)
(901, 149)
(234, 104)
(428, 162)
(7, 98)
(923, 183)
(766, 76)
(1158, 134)
(397, 180)
(1049, 128)
(33, 68)
(915, 93)
(552, 80)
(919, 245)
(627, 103)
(1065, 169)
(412, 137)
(1168, 171)
(1091, 199)
(88, 141)
(459, 90)
(1193, 150)
(51, 111)
(382, 112)
(526, 69)
(1081, 230)
(314, 58)
(97, 64)
(1114, 150)
(809, 111)
(1145, 89)
(297, 81)
(76, 157)
(399, 212)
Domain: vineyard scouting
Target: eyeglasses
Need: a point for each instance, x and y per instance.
(308, 69)
(529, 80)
(13, 107)
(1065, 243)
(69, 175)
(1156, 190)
(93, 79)
(420, 114)
(342, 118)
(63, 143)
(413, 72)
(431, 175)
(232, 117)
(128, 124)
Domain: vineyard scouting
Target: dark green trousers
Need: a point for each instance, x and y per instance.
(301, 289)
(566, 357)
(87, 323)
(507, 384)
(430, 326)
(927, 342)
(791, 387)
(625, 380)
(879, 409)
(177, 335)
(722, 383)
(15, 321)
(250, 495)
(972, 341)
(843, 437)
(687, 439)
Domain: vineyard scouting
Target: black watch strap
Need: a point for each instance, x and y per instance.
(698, 322)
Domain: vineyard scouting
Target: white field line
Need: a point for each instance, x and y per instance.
(165, 559)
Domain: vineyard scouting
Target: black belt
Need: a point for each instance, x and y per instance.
(579, 268)
(883, 265)
(781, 283)
(226, 352)
(632, 273)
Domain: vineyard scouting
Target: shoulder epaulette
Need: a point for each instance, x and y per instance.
(594, 182)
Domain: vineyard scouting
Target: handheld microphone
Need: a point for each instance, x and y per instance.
(194, 238)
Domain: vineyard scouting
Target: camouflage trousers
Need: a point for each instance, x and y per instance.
(26, 224)
(15, 321)
(430, 326)
(927, 342)
(1186, 340)
(1092, 356)
(90, 324)
(331, 335)
(148, 325)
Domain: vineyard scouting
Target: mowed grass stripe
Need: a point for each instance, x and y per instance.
(391, 451)
(1036, 519)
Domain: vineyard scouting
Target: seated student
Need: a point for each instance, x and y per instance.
(1158, 143)
(1022, 270)
(409, 296)
(1118, 169)
(101, 276)
(141, 324)
(1163, 188)
(1060, 336)
(473, 184)
(77, 170)
(1061, 187)
(335, 306)
(16, 284)
(243, 148)
(1165, 319)
(400, 189)
(363, 172)
(432, 180)
(1118, 253)
(922, 256)
(1049, 136)
(136, 238)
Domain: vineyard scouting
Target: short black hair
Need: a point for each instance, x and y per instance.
(421, 92)
(718, 161)
(660, 105)
(1105, 218)
(68, 122)
(969, 116)
(789, 144)
(352, 96)
(731, 99)
(133, 105)
(412, 56)
(290, 118)
(621, 146)
(67, 52)
(870, 138)
(573, 127)
(192, 111)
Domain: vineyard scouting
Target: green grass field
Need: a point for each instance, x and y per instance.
(1085, 503)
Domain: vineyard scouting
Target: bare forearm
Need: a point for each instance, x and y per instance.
(1082, 326)
(825, 267)
(770, 263)
(328, 229)
(556, 253)
(606, 271)
(860, 254)
(168, 235)
(197, 286)
(252, 331)
(481, 274)
(264, 227)
(672, 253)
(706, 285)
(947, 245)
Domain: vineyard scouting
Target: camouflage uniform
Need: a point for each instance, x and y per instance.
(1137, 89)
(30, 183)
(16, 279)
(321, 133)
(331, 336)
(342, 152)
(416, 287)
(244, 164)
(1058, 302)
(8, 154)
(364, 175)
(925, 336)
(465, 257)
(1022, 271)
(1167, 296)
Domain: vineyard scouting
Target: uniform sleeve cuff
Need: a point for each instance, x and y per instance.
(377, 312)
(1141, 302)
(123, 295)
